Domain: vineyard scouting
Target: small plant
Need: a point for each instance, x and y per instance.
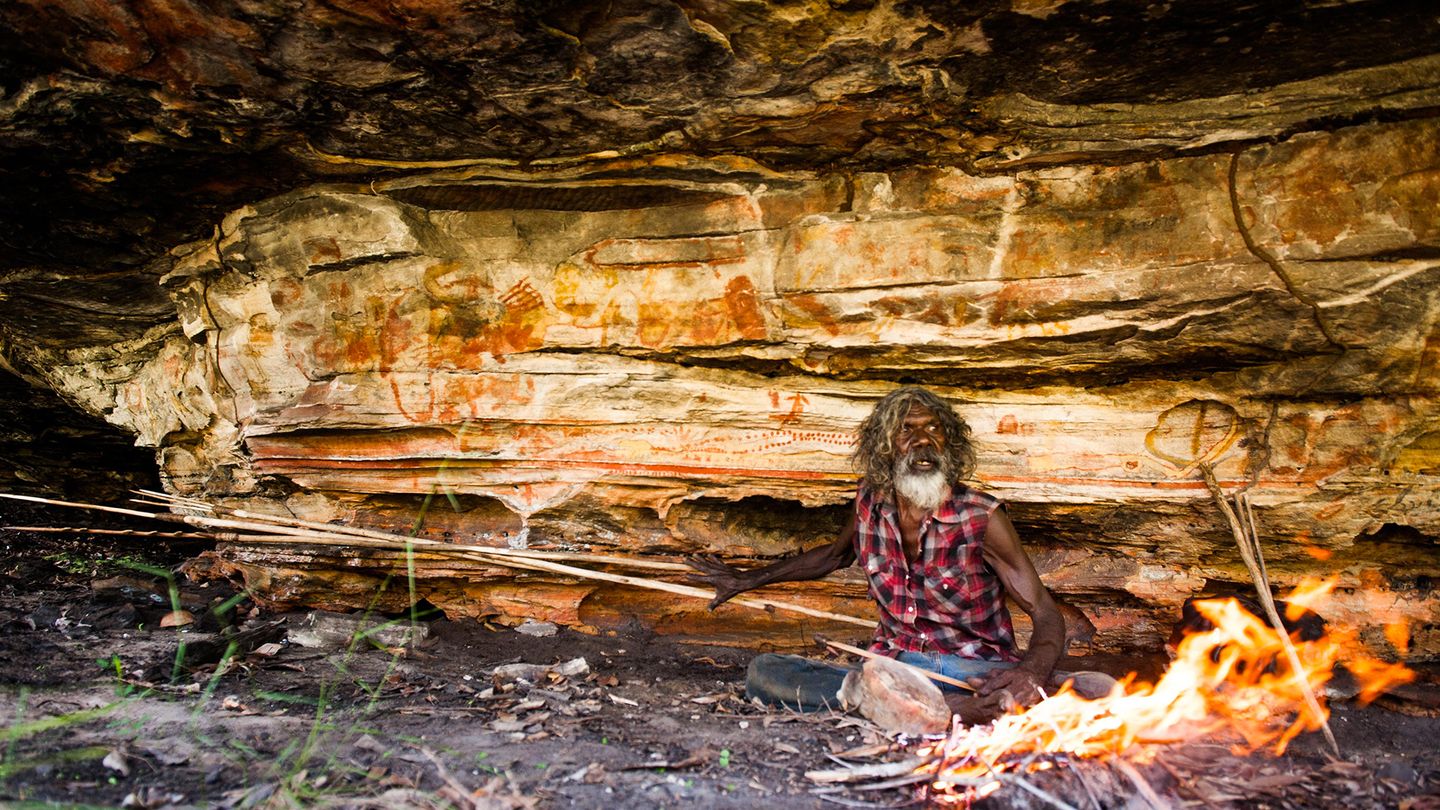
(22, 729)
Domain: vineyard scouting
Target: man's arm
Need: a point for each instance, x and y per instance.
(1047, 642)
(729, 581)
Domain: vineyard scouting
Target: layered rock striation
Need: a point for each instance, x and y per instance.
(626, 279)
(671, 356)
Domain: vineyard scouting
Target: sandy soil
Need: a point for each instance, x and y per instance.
(103, 708)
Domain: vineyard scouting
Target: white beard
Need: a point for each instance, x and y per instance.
(925, 490)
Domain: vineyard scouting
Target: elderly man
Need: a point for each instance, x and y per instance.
(940, 558)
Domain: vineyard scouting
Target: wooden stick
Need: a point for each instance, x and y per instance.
(1141, 784)
(934, 676)
(308, 531)
(484, 554)
(92, 507)
(1248, 540)
(120, 532)
(279, 526)
(444, 548)
(274, 530)
(296, 524)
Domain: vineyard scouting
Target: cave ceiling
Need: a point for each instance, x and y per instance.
(128, 126)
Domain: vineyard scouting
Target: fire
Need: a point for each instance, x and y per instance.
(1234, 679)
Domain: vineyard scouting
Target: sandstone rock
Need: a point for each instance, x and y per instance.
(336, 631)
(673, 378)
(896, 697)
(527, 272)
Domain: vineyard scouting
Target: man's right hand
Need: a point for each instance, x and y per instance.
(727, 580)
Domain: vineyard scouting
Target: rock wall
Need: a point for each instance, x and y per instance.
(669, 355)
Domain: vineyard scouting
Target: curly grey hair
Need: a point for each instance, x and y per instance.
(875, 453)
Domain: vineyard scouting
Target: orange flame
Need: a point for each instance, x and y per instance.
(1235, 678)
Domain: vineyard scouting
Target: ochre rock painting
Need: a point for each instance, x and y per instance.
(664, 362)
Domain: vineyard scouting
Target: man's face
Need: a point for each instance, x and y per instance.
(919, 442)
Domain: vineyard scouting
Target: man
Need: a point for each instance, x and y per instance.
(940, 558)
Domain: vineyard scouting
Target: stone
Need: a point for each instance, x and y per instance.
(897, 698)
(530, 627)
(336, 631)
(535, 673)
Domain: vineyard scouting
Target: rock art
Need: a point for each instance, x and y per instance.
(666, 356)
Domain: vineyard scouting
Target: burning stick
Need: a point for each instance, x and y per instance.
(934, 676)
(1242, 526)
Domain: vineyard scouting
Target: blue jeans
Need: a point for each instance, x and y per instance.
(809, 685)
(952, 666)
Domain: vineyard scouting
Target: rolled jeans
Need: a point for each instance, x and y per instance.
(808, 685)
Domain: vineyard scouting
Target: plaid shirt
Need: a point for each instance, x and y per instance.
(949, 600)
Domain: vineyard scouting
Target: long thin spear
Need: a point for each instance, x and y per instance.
(294, 527)
(484, 554)
(280, 530)
(118, 532)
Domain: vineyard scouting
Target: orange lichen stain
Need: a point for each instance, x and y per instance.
(322, 250)
(815, 312)
(1398, 634)
(285, 292)
(1318, 553)
(1373, 581)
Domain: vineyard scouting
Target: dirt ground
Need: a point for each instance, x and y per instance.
(103, 707)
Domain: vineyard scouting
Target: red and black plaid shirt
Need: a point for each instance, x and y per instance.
(947, 601)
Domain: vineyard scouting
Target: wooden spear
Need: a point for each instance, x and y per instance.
(307, 533)
(294, 525)
(118, 532)
(489, 555)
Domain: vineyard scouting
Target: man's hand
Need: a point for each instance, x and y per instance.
(1018, 686)
(1001, 692)
(727, 580)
